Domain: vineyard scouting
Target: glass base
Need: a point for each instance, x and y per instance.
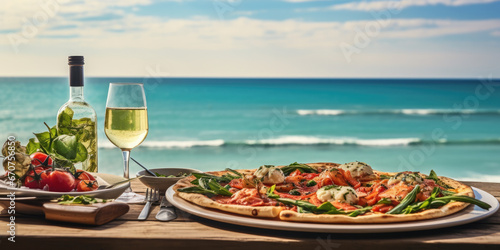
(131, 197)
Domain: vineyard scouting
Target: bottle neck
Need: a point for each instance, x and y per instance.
(76, 94)
(76, 83)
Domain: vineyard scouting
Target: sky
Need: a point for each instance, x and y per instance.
(252, 38)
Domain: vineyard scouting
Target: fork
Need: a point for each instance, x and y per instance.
(151, 196)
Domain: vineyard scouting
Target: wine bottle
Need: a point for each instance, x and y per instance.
(76, 117)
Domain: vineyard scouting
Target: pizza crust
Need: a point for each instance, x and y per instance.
(204, 201)
(288, 215)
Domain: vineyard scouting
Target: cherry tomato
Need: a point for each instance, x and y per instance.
(39, 159)
(33, 178)
(60, 181)
(87, 185)
(83, 175)
(44, 178)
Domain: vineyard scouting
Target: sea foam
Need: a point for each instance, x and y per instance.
(422, 112)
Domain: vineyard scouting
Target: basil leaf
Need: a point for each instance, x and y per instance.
(81, 153)
(65, 121)
(32, 146)
(326, 206)
(44, 140)
(68, 147)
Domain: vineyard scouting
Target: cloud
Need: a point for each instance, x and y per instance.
(302, 1)
(15, 15)
(382, 5)
(126, 43)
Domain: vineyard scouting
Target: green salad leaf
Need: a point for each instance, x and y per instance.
(304, 168)
(81, 199)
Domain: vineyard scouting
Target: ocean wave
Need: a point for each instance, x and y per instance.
(172, 144)
(335, 112)
(297, 140)
(312, 140)
(479, 177)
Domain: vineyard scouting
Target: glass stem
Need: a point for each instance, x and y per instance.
(126, 159)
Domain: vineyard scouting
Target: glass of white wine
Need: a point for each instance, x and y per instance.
(126, 121)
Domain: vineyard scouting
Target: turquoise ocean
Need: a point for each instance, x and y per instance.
(451, 126)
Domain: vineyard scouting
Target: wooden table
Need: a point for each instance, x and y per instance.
(191, 232)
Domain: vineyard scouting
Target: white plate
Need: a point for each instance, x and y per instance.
(468, 215)
(111, 193)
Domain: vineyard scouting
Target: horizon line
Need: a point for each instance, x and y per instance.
(261, 77)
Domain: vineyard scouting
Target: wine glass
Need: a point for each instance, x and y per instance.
(126, 122)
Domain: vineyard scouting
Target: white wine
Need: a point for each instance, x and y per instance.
(126, 127)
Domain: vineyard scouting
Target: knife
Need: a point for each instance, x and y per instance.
(167, 211)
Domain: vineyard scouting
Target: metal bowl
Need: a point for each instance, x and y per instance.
(163, 183)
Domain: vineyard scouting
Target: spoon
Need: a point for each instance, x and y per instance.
(147, 170)
(116, 184)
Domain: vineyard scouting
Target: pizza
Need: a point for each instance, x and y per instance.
(328, 193)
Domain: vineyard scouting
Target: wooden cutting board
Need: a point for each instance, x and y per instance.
(94, 214)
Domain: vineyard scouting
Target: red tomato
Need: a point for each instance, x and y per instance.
(61, 181)
(39, 159)
(44, 178)
(83, 175)
(295, 173)
(310, 176)
(87, 185)
(33, 178)
(383, 208)
(236, 183)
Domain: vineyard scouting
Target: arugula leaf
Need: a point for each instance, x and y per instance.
(301, 167)
(386, 201)
(198, 190)
(215, 186)
(433, 176)
(328, 208)
(224, 178)
(409, 199)
(325, 208)
(360, 211)
(270, 192)
(304, 204)
(447, 193)
(207, 185)
(81, 199)
(423, 204)
(303, 211)
(465, 198)
(235, 172)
